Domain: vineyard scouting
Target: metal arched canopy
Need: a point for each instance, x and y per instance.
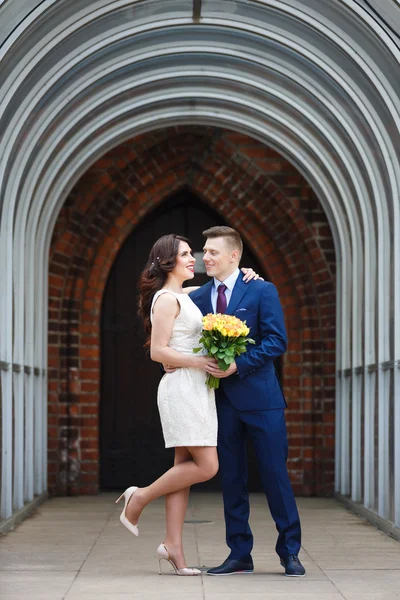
(317, 81)
(387, 13)
(85, 55)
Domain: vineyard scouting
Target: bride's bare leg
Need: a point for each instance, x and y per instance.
(203, 466)
(175, 509)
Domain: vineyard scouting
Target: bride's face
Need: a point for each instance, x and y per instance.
(184, 268)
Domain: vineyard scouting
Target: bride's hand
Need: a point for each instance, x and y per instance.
(250, 274)
(205, 361)
(169, 369)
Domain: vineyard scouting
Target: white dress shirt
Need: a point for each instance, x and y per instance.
(230, 284)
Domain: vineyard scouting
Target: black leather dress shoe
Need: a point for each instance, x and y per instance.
(232, 567)
(293, 567)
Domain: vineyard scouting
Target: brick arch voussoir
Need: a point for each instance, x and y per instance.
(130, 155)
(112, 171)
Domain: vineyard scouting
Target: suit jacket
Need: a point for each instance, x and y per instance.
(255, 386)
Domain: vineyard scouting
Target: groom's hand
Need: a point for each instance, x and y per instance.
(214, 369)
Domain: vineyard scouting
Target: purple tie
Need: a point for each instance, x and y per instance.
(221, 300)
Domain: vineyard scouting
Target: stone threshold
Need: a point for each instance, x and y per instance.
(383, 524)
(21, 514)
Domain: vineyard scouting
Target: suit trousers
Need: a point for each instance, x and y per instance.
(267, 430)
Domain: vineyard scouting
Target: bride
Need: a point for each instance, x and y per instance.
(173, 324)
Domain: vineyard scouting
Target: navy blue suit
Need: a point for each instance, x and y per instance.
(251, 404)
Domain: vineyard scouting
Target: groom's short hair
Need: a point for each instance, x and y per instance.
(232, 237)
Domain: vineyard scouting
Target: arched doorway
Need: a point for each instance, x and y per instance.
(131, 442)
(267, 209)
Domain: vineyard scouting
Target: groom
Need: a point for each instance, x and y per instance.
(251, 405)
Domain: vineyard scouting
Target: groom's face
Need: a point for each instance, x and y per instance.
(219, 259)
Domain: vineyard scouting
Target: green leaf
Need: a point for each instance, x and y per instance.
(222, 365)
(213, 349)
(196, 350)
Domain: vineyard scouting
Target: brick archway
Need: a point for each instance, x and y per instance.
(258, 192)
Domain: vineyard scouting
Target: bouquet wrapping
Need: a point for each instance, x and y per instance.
(223, 337)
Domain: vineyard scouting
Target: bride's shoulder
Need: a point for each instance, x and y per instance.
(164, 298)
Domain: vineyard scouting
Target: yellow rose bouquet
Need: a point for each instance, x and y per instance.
(223, 337)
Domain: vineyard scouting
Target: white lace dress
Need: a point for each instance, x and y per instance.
(186, 405)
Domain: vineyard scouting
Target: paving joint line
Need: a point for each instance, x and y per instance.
(203, 590)
(88, 554)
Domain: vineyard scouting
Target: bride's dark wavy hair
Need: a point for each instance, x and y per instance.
(161, 262)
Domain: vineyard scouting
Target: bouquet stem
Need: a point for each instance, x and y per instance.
(212, 382)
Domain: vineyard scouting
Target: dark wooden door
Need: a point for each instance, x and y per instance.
(132, 446)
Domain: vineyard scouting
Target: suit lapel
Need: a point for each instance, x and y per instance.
(204, 300)
(238, 292)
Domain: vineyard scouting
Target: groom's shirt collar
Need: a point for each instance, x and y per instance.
(229, 281)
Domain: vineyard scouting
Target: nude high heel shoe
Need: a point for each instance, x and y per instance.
(127, 495)
(163, 554)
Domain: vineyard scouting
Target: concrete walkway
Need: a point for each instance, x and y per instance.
(76, 549)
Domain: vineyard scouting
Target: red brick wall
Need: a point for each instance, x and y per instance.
(258, 192)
